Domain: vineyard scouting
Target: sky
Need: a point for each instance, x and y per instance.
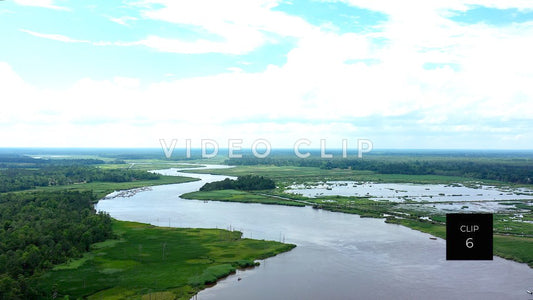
(414, 74)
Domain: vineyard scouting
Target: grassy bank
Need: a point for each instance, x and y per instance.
(100, 189)
(239, 196)
(514, 248)
(147, 261)
(435, 229)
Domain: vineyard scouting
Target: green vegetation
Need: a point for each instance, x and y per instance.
(18, 160)
(506, 224)
(514, 247)
(243, 183)
(285, 175)
(15, 179)
(147, 261)
(517, 170)
(101, 189)
(353, 205)
(433, 228)
(513, 237)
(41, 230)
(47, 223)
(239, 196)
(81, 176)
(240, 190)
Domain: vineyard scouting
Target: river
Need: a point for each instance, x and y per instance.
(339, 256)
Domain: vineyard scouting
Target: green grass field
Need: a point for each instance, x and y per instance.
(238, 196)
(289, 174)
(147, 261)
(516, 248)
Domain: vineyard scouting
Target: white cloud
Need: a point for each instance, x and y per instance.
(239, 26)
(418, 9)
(319, 93)
(55, 37)
(292, 101)
(41, 3)
(124, 20)
(235, 46)
(66, 39)
(493, 65)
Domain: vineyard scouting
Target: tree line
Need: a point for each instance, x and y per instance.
(16, 179)
(501, 170)
(18, 160)
(244, 183)
(40, 230)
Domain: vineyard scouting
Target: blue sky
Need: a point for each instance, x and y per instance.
(404, 74)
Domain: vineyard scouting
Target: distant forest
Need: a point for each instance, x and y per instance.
(16, 178)
(23, 161)
(512, 171)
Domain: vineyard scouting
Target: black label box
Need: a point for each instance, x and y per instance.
(469, 237)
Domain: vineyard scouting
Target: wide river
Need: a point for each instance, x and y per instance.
(339, 256)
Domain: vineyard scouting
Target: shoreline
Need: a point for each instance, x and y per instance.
(385, 219)
(123, 267)
(127, 193)
(501, 248)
